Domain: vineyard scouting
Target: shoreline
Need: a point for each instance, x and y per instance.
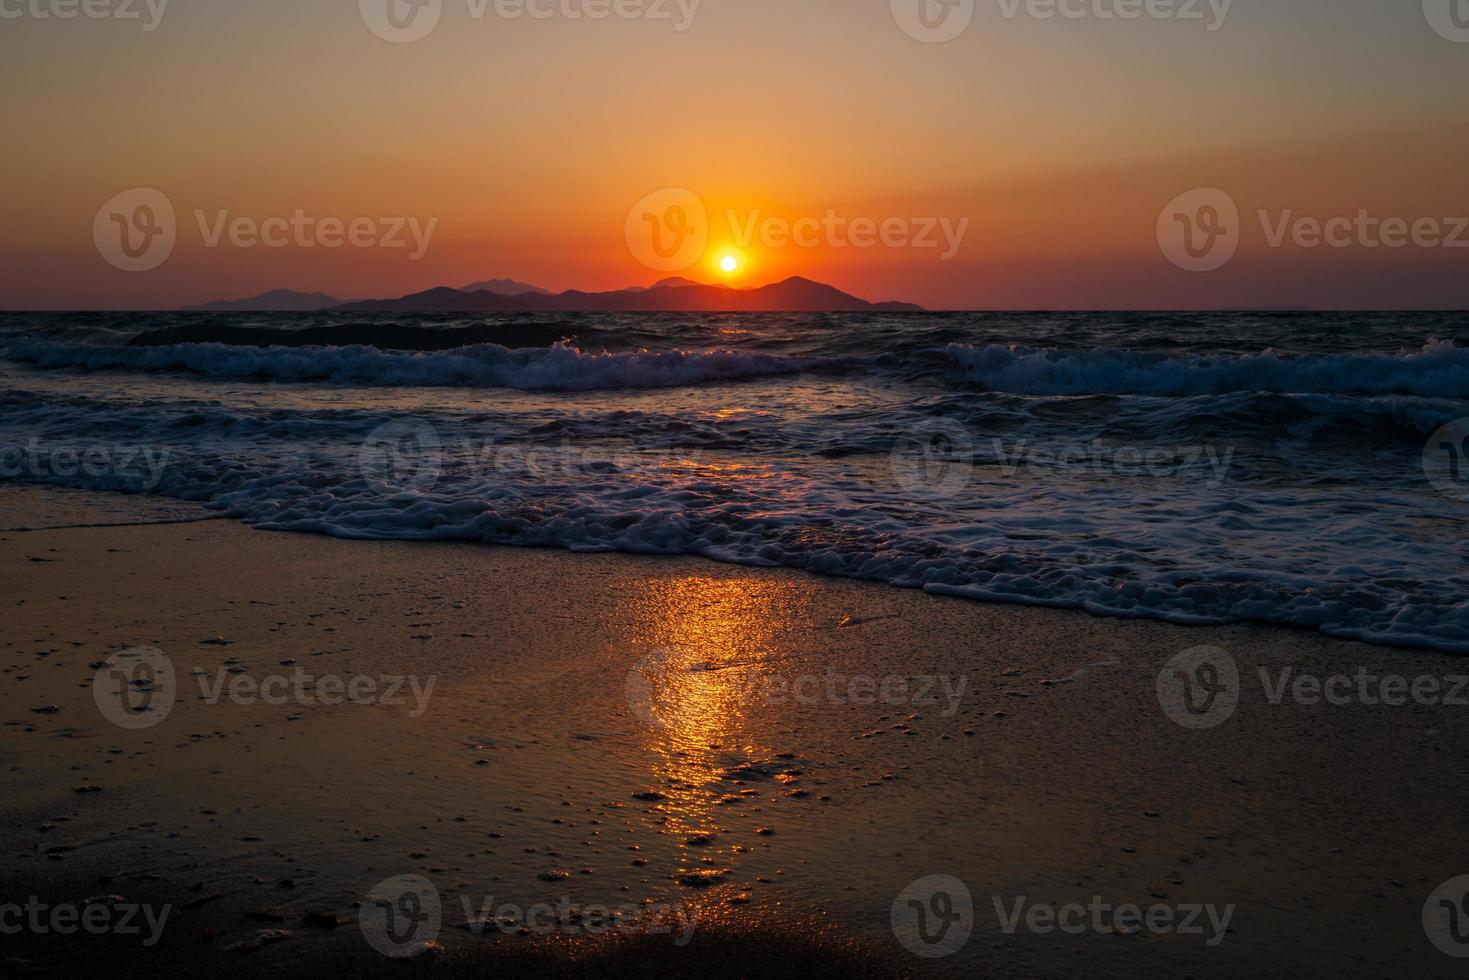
(586, 705)
(191, 512)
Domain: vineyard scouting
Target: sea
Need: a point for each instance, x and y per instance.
(1296, 468)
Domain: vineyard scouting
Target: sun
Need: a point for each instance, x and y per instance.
(729, 263)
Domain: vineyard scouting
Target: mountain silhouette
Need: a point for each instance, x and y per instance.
(794, 295)
(275, 301)
(505, 287)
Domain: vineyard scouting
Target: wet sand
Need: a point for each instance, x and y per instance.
(760, 754)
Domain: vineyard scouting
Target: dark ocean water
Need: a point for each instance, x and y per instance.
(1277, 467)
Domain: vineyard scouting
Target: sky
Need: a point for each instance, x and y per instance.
(1028, 162)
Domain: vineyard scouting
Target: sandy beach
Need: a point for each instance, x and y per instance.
(691, 750)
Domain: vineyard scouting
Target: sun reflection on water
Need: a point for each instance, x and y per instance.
(707, 643)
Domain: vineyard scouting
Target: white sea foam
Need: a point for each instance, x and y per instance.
(1319, 516)
(557, 368)
(1440, 370)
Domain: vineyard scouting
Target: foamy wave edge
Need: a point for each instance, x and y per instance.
(1439, 370)
(560, 367)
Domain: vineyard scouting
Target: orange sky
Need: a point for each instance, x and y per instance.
(1056, 143)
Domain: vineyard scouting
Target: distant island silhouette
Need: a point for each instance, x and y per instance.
(674, 295)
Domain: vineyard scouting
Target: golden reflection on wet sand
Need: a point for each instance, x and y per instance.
(705, 645)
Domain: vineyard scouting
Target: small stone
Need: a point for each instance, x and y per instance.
(421, 952)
